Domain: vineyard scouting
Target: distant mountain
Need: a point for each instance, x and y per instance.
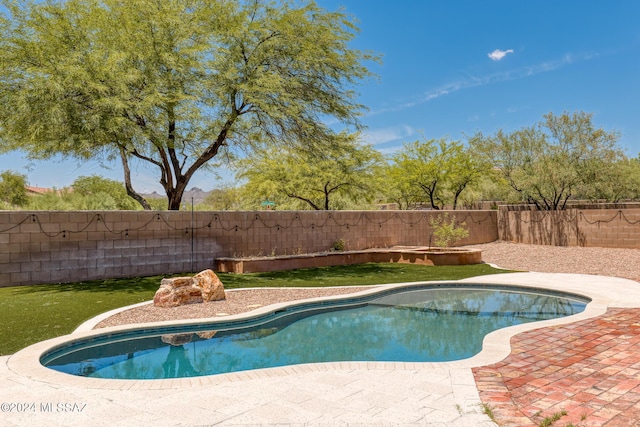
(154, 195)
(195, 193)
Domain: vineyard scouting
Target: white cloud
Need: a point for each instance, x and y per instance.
(498, 54)
(514, 109)
(469, 81)
(384, 135)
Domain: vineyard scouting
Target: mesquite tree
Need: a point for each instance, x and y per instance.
(439, 170)
(175, 84)
(552, 161)
(345, 175)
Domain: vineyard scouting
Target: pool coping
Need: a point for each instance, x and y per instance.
(603, 291)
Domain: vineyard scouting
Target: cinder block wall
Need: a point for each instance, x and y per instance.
(52, 247)
(607, 226)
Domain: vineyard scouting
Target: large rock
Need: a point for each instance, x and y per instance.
(210, 285)
(177, 291)
(204, 286)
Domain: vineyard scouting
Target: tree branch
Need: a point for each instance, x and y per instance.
(127, 181)
(295, 196)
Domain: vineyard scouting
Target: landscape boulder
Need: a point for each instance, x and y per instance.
(176, 291)
(210, 285)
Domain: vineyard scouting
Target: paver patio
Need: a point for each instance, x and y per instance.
(590, 369)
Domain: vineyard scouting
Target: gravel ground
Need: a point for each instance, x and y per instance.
(616, 262)
(236, 301)
(623, 263)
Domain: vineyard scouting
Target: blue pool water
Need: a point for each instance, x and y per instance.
(430, 324)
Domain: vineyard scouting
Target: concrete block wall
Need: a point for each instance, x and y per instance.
(555, 228)
(611, 228)
(51, 247)
(596, 226)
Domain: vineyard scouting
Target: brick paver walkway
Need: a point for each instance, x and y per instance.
(588, 370)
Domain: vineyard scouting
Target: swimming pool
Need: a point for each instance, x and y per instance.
(427, 323)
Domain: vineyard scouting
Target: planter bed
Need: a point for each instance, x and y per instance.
(413, 255)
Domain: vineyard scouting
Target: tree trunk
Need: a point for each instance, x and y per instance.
(174, 195)
(326, 197)
(127, 182)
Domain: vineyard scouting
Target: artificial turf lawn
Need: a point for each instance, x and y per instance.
(29, 314)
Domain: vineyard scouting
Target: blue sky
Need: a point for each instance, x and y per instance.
(451, 68)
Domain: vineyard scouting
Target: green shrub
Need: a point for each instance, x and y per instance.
(447, 231)
(339, 245)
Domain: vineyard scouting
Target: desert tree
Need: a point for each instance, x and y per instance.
(548, 163)
(176, 85)
(438, 169)
(13, 189)
(345, 175)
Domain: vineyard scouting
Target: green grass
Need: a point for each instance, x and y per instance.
(29, 314)
(549, 421)
(488, 411)
(355, 275)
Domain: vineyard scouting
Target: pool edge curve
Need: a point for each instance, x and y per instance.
(603, 291)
